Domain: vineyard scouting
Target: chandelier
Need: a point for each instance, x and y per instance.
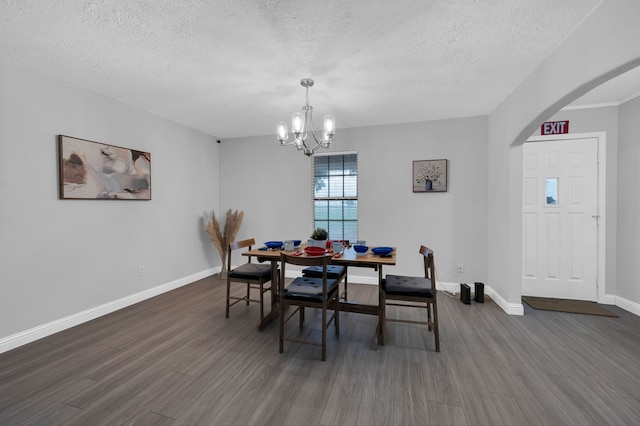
(302, 126)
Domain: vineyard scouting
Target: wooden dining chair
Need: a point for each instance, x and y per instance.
(253, 275)
(309, 292)
(412, 292)
(338, 272)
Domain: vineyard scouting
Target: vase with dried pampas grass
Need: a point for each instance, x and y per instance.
(222, 238)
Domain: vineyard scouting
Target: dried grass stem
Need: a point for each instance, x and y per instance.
(222, 238)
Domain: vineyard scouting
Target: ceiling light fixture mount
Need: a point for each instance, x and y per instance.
(302, 125)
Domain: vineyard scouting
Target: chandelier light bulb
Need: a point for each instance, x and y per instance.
(329, 125)
(297, 123)
(282, 132)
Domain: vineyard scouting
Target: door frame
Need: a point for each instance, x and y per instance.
(601, 204)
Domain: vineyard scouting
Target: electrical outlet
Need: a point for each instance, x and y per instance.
(460, 268)
(140, 271)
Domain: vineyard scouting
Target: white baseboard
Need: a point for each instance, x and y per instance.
(44, 330)
(627, 305)
(509, 308)
(608, 299)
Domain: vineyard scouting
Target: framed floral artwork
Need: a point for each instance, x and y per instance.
(430, 176)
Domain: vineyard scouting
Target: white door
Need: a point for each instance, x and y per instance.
(560, 219)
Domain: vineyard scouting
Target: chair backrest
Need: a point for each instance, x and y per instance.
(306, 261)
(429, 268)
(238, 245)
(241, 244)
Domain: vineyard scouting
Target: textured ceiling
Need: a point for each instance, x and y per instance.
(232, 67)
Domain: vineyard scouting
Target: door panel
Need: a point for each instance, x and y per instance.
(559, 227)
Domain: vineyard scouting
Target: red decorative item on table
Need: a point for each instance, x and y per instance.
(315, 251)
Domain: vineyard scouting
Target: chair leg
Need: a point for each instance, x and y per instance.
(324, 330)
(435, 325)
(382, 318)
(301, 314)
(228, 295)
(429, 316)
(261, 301)
(248, 293)
(346, 289)
(337, 313)
(281, 309)
(275, 288)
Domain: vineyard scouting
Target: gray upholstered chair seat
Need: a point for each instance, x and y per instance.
(408, 286)
(251, 271)
(309, 288)
(333, 271)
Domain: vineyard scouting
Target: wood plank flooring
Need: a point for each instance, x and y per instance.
(176, 360)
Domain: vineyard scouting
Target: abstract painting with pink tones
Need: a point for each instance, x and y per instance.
(96, 171)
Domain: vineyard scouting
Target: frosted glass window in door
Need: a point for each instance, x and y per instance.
(551, 190)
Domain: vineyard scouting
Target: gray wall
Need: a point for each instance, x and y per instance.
(628, 287)
(272, 184)
(59, 258)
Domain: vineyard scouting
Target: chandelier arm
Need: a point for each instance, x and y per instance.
(313, 133)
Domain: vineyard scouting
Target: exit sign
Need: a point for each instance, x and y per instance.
(554, 127)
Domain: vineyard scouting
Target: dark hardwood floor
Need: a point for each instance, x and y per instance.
(176, 360)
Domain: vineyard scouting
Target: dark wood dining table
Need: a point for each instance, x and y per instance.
(349, 258)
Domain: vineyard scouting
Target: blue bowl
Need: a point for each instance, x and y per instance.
(273, 244)
(382, 250)
(360, 249)
(296, 243)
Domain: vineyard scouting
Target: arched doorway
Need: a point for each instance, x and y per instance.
(597, 52)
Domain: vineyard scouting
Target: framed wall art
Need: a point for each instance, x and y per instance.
(430, 176)
(97, 171)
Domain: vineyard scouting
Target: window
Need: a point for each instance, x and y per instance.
(551, 191)
(335, 195)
